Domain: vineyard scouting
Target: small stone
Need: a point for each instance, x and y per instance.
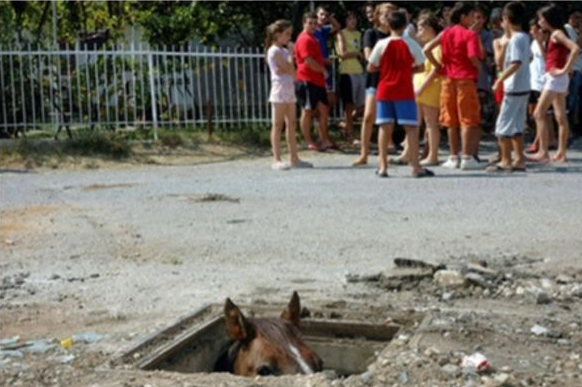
(366, 377)
(402, 377)
(564, 279)
(8, 242)
(452, 370)
(476, 279)
(519, 291)
(447, 296)
(539, 330)
(55, 277)
(546, 283)
(543, 298)
(449, 278)
(502, 379)
(65, 359)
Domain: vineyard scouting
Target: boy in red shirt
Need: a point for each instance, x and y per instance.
(397, 58)
(462, 53)
(310, 83)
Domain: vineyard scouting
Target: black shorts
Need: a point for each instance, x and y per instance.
(534, 97)
(309, 95)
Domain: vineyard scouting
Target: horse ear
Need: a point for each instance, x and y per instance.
(292, 312)
(236, 324)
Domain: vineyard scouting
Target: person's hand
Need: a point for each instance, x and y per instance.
(558, 72)
(496, 85)
(325, 73)
(418, 92)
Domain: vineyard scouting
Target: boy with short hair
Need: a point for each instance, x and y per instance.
(397, 58)
(515, 77)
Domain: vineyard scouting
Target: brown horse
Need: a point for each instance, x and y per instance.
(268, 346)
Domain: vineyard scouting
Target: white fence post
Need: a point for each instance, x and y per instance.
(153, 95)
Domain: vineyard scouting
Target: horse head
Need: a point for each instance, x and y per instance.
(268, 346)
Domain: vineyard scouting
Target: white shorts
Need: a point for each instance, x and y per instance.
(558, 84)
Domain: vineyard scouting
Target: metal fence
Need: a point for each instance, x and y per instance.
(131, 86)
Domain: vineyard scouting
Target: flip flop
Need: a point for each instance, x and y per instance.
(313, 147)
(423, 173)
(518, 169)
(397, 162)
(382, 175)
(498, 169)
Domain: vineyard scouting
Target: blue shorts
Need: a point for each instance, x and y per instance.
(399, 112)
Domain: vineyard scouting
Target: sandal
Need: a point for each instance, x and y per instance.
(423, 173)
(382, 175)
(498, 169)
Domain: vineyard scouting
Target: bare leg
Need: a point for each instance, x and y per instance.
(412, 146)
(540, 115)
(563, 127)
(431, 118)
(323, 124)
(290, 133)
(349, 117)
(517, 142)
(278, 120)
(454, 141)
(383, 135)
(468, 141)
(505, 151)
(306, 119)
(366, 130)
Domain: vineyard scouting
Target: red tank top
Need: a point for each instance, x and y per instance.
(556, 56)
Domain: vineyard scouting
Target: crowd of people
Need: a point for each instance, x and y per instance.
(460, 69)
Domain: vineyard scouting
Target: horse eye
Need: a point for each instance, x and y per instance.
(265, 370)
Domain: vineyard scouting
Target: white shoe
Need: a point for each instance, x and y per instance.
(302, 165)
(280, 166)
(469, 163)
(451, 163)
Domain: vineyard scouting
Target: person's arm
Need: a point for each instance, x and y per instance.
(312, 64)
(508, 72)
(574, 51)
(342, 52)
(430, 46)
(283, 66)
(499, 46)
(335, 25)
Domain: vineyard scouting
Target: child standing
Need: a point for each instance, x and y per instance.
(380, 30)
(352, 79)
(515, 78)
(282, 96)
(462, 53)
(397, 58)
(558, 64)
(427, 87)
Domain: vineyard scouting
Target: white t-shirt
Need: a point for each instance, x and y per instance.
(282, 86)
(537, 67)
(518, 51)
(574, 36)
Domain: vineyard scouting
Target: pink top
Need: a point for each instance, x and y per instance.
(556, 56)
(459, 45)
(308, 46)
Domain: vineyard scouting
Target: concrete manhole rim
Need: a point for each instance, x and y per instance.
(169, 341)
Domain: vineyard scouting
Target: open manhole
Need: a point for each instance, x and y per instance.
(346, 341)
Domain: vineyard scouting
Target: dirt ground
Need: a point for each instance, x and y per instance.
(109, 254)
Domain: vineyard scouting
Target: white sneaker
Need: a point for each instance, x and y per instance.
(469, 163)
(451, 163)
(280, 166)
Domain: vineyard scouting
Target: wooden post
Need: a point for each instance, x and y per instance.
(209, 125)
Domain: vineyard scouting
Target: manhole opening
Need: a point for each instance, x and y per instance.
(198, 343)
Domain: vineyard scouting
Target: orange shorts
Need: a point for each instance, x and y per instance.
(459, 103)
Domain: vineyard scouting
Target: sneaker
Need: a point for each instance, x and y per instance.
(302, 165)
(469, 163)
(280, 166)
(451, 163)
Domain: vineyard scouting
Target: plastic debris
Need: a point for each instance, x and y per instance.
(477, 362)
(67, 343)
(39, 346)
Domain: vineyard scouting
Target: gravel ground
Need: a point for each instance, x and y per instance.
(127, 251)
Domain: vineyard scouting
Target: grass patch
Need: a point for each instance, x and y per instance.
(102, 144)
